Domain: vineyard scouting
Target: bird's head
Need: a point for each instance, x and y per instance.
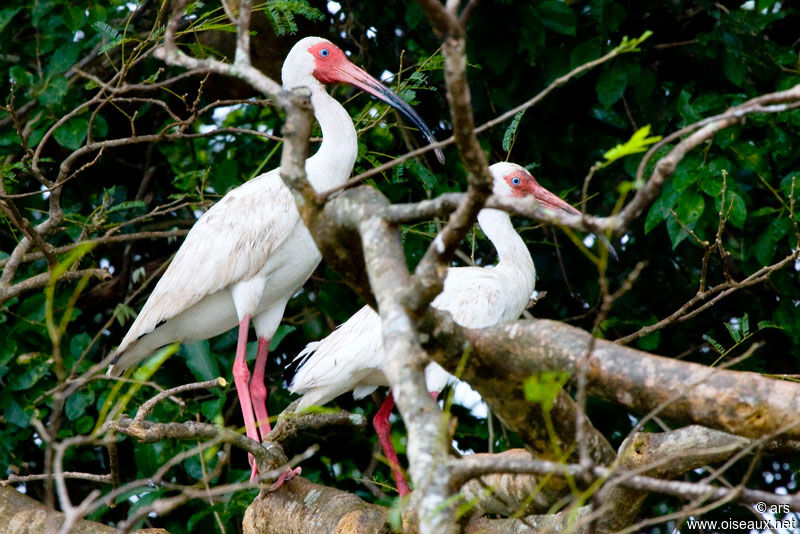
(315, 61)
(512, 180)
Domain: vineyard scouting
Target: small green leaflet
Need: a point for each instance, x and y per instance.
(511, 131)
(127, 205)
(639, 142)
(632, 45)
(283, 12)
(110, 35)
(543, 388)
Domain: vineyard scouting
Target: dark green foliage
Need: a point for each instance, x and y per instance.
(701, 59)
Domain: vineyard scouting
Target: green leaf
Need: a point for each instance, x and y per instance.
(586, 52)
(122, 312)
(30, 377)
(689, 209)
(201, 363)
(283, 12)
(14, 413)
(128, 205)
(74, 17)
(109, 34)
(511, 131)
(639, 142)
(54, 91)
(78, 344)
(544, 387)
(423, 173)
(72, 133)
(767, 242)
(711, 341)
(77, 403)
(146, 498)
(84, 424)
(660, 208)
(42, 9)
(632, 45)
(613, 15)
(211, 408)
(685, 176)
(226, 176)
(650, 341)
(99, 126)
(557, 16)
(734, 68)
(735, 208)
(733, 330)
(611, 84)
(6, 15)
(192, 523)
(20, 76)
(193, 467)
(62, 59)
(282, 331)
(769, 324)
(712, 180)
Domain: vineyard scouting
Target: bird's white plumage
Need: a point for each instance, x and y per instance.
(250, 246)
(250, 252)
(352, 357)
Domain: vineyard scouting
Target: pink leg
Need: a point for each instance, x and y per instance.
(383, 429)
(258, 390)
(241, 378)
(258, 395)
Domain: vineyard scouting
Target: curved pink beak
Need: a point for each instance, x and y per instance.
(347, 72)
(550, 200)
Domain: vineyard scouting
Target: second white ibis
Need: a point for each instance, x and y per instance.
(351, 358)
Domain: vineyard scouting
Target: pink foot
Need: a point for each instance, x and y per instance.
(287, 475)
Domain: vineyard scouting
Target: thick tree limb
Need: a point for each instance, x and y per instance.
(500, 383)
(301, 507)
(22, 515)
(742, 403)
(664, 455)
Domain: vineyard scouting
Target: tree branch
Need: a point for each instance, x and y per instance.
(742, 403)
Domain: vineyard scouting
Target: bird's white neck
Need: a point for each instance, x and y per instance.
(332, 164)
(511, 249)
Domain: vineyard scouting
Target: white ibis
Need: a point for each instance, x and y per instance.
(246, 256)
(352, 357)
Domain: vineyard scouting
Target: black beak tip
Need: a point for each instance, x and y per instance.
(439, 155)
(611, 252)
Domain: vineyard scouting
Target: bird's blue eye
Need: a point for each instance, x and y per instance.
(515, 180)
(324, 52)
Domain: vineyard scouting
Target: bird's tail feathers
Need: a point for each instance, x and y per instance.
(306, 353)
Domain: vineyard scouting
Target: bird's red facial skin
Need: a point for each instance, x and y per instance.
(327, 59)
(521, 184)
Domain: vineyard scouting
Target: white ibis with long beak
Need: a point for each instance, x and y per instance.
(246, 256)
(352, 357)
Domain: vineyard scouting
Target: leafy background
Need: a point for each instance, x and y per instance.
(703, 57)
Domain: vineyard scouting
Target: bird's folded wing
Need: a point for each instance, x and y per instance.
(230, 243)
